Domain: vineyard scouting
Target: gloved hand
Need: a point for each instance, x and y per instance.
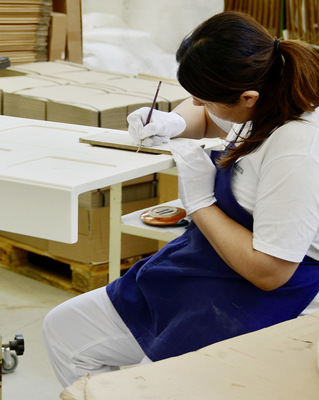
(162, 126)
(196, 174)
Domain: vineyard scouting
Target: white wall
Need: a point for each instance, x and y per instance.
(104, 6)
(168, 21)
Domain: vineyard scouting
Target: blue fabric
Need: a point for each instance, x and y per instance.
(185, 297)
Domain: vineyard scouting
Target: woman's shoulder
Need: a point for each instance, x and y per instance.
(300, 137)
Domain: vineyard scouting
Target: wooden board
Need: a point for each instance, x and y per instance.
(123, 146)
(277, 363)
(122, 140)
(56, 271)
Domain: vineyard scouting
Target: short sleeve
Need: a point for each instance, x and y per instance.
(286, 216)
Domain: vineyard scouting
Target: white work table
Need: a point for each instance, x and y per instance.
(44, 168)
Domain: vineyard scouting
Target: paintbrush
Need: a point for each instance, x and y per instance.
(148, 119)
(153, 104)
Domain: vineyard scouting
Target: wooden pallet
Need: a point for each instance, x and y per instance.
(55, 271)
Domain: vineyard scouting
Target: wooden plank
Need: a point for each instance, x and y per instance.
(122, 140)
(300, 25)
(311, 28)
(123, 146)
(55, 271)
(288, 19)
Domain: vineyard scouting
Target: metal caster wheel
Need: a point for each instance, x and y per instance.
(9, 361)
(9, 358)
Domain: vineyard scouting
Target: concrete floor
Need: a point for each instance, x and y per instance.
(23, 304)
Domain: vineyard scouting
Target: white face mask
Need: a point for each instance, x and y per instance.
(223, 124)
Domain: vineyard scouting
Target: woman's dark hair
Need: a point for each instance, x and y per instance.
(231, 53)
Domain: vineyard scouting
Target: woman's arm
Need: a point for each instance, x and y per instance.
(234, 244)
(198, 122)
(232, 241)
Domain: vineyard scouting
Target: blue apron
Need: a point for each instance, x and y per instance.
(186, 297)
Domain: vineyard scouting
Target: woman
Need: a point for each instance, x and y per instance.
(250, 258)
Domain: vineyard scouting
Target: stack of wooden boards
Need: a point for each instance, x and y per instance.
(267, 13)
(24, 29)
(302, 18)
(293, 19)
(40, 30)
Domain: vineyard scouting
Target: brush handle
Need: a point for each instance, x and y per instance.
(153, 104)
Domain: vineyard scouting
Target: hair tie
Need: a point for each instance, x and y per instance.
(277, 44)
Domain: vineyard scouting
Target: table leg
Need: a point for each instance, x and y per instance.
(115, 231)
(1, 368)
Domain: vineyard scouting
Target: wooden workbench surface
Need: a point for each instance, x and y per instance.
(277, 363)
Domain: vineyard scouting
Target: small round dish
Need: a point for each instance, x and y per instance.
(163, 215)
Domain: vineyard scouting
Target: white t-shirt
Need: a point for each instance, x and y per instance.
(278, 183)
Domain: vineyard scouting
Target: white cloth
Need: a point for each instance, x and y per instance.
(88, 336)
(196, 174)
(279, 184)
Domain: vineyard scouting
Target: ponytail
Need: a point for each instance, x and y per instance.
(300, 76)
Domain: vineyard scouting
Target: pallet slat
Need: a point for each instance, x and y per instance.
(55, 271)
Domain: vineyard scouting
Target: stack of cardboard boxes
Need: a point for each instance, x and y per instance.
(70, 93)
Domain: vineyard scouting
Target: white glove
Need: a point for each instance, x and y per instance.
(162, 126)
(196, 174)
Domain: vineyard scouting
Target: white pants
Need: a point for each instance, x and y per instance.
(86, 335)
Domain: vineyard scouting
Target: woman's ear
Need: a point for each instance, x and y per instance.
(249, 98)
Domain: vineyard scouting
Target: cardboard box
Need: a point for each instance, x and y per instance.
(72, 9)
(32, 103)
(57, 36)
(106, 110)
(167, 187)
(93, 244)
(11, 84)
(93, 225)
(74, 104)
(74, 31)
(17, 105)
(46, 68)
(89, 76)
(169, 96)
(37, 243)
(137, 189)
(115, 107)
(83, 96)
